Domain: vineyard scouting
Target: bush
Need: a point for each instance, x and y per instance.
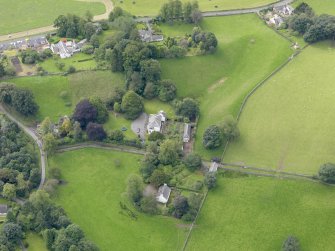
(193, 161)
(117, 136)
(291, 244)
(168, 91)
(212, 137)
(155, 136)
(149, 205)
(210, 180)
(327, 173)
(71, 69)
(188, 108)
(95, 132)
(87, 49)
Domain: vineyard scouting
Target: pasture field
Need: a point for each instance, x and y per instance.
(36, 242)
(258, 213)
(288, 124)
(47, 90)
(20, 15)
(320, 7)
(247, 52)
(91, 197)
(151, 8)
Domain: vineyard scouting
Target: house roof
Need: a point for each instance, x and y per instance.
(165, 191)
(155, 120)
(214, 167)
(3, 209)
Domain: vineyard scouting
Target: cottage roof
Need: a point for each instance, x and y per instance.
(165, 191)
(155, 120)
(3, 209)
(187, 130)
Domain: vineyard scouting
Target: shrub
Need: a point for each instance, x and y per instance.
(117, 136)
(95, 132)
(168, 91)
(291, 244)
(327, 173)
(155, 136)
(71, 69)
(210, 180)
(193, 161)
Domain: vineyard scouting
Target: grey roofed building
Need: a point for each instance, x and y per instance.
(214, 167)
(286, 10)
(67, 49)
(39, 42)
(3, 209)
(155, 122)
(163, 194)
(187, 133)
(148, 36)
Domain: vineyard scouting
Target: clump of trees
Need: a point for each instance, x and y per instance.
(132, 105)
(22, 100)
(31, 56)
(5, 68)
(291, 244)
(327, 173)
(176, 11)
(314, 28)
(188, 108)
(186, 208)
(72, 26)
(40, 215)
(214, 135)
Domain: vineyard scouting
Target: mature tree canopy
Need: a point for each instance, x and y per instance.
(101, 108)
(188, 108)
(84, 113)
(169, 152)
(327, 173)
(212, 137)
(210, 180)
(193, 161)
(95, 132)
(167, 91)
(230, 129)
(132, 105)
(181, 206)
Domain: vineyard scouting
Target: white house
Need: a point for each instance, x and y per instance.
(214, 167)
(187, 133)
(276, 20)
(285, 10)
(163, 194)
(67, 49)
(155, 122)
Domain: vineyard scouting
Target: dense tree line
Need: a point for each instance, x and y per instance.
(40, 215)
(5, 68)
(314, 28)
(22, 100)
(175, 10)
(72, 26)
(31, 56)
(19, 171)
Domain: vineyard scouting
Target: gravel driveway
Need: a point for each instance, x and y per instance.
(138, 126)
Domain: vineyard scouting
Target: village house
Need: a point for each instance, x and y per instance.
(155, 122)
(163, 194)
(66, 49)
(214, 167)
(38, 43)
(148, 36)
(187, 133)
(285, 10)
(276, 20)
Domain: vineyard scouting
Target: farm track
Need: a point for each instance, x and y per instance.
(108, 5)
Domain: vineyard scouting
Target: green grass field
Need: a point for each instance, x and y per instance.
(257, 213)
(23, 15)
(247, 52)
(50, 64)
(320, 7)
(151, 8)
(36, 242)
(91, 198)
(288, 124)
(47, 90)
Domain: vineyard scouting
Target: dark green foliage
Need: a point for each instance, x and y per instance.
(230, 129)
(156, 136)
(322, 29)
(132, 105)
(159, 177)
(134, 188)
(149, 164)
(291, 244)
(136, 83)
(116, 135)
(210, 180)
(29, 56)
(150, 70)
(212, 137)
(12, 232)
(169, 152)
(87, 49)
(101, 108)
(181, 206)
(303, 8)
(84, 113)
(188, 108)
(300, 23)
(71, 69)
(95, 132)
(167, 91)
(327, 173)
(193, 161)
(117, 12)
(149, 205)
(205, 40)
(175, 11)
(150, 90)
(21, 100)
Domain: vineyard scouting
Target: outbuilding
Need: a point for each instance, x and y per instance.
(163, 194)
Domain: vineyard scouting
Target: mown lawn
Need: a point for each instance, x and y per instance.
(257, 213)
(247, 52)
(36, 242)
(117, 122)
(20, 15)
(91, 197)
(289, 123)
(151, 8)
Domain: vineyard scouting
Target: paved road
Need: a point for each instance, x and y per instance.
(108, 5)
(31, 132)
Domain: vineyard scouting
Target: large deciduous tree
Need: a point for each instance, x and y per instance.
(84, 113)
(132, 105)
(212, 137)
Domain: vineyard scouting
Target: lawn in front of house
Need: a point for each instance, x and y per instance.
(247, 52)
(94, 187)
(36, 242)
(258, 213)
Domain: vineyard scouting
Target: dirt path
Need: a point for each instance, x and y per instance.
(108, 5)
